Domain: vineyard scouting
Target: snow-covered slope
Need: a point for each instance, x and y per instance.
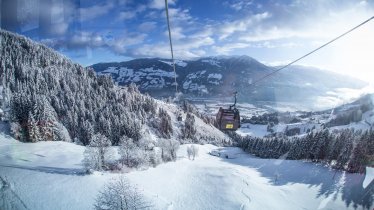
(358, 115)
(48, 175)
(51, 98)
(205, 132)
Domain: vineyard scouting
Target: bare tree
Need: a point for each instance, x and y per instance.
(189, 152)
(131, 154)
(126, 149)
(119, 194)
(192, 152)
(97, 153)
(16, 130)
(195, 151)
(169, 149)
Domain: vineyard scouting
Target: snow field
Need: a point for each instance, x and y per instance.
(42, 175)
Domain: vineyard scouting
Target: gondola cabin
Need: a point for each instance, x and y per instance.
(228, 119)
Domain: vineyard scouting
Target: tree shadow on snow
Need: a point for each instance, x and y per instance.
(282, 172)
(51, 170)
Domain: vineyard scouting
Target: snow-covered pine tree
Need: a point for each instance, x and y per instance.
(74, 93)
(335, 147)
(33, 128)
(189, 130)
(359, 158)
(45, 118)
(165, 126)
(347, 138)
(60, 133)
(86, 131)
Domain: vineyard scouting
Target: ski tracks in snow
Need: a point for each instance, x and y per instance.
(248, 201)
(9, 199)
(245, 185)
(169, 204)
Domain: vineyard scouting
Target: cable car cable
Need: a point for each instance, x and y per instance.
(171, 45)
(229, 119)
(313, 51)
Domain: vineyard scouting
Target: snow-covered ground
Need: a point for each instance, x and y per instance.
(257, 130)
(49, 175)
(307, 124)
(253, 130)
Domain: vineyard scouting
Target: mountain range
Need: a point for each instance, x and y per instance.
(220, 76)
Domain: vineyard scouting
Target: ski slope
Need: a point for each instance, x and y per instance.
(49, 175)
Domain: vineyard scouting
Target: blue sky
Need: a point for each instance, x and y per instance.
(273, 32)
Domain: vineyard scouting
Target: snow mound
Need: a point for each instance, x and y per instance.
(369, 177)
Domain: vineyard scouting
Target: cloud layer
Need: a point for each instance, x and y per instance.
(270, 30)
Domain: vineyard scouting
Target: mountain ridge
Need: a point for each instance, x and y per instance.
(220, 76)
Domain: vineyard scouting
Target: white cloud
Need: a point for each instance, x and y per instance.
(122, 44)
(187, 36)
(85, 40)
(176, 33)
(147, 26)
(59, 28)
(273, 33)
(180, 15)
(187, 44)
(227, 48)
(240, 4)
(280, 32)
(130, 14)
(160, 4)
(126, 15)
(241, 25)
(162, 50)
(183, 49)
(51, 18)
(201, 33)
(124, 2)
(89, 13)
(141, 8)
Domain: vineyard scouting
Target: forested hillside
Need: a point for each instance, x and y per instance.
(349, 149)
(50, 98)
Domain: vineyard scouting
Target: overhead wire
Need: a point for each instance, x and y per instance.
(313, 51)
(171, 46)
(273, 72)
